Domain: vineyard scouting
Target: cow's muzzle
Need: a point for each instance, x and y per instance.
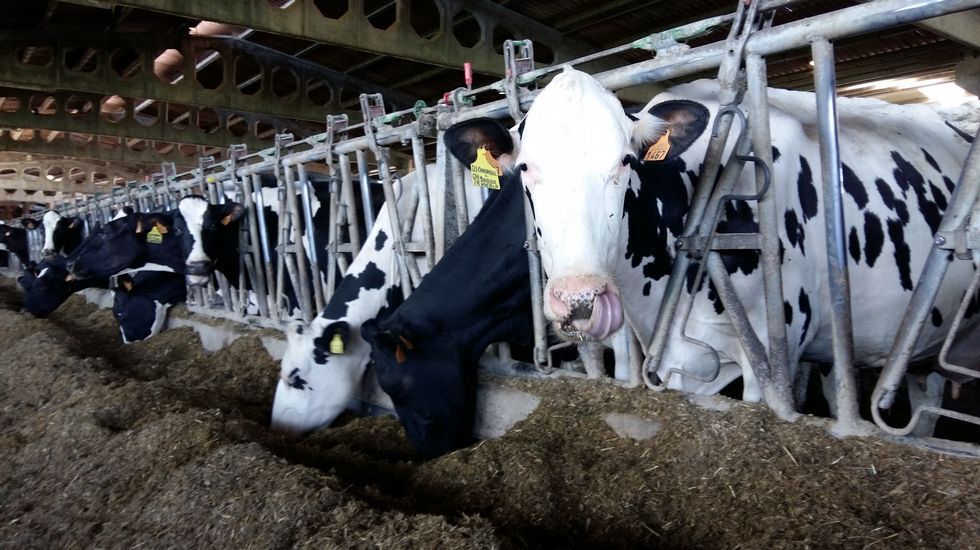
(198, 273)
(584, 309)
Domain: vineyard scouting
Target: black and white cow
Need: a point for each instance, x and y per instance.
(325, 360)
(426, 352)
(14, 240)
(607, 222)
(150, 241)
(61, 234)
(141, 300)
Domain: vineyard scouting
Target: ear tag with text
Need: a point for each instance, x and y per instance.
(337, 344)
(486, 170)
(154, 236)
(658, 151)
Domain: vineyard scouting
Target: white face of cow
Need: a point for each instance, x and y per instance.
(193, 209)
(50, 222)
(575, 155)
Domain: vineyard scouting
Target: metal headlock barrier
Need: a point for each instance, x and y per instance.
(348, 154)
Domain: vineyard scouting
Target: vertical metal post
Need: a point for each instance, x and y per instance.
(257, 236)
(825, 81)
(425, 206)
(362, 174)
(291, 215)
(758, 100)
(395, 225)
(263, 243)
(444, 172)
(541, 358)
(459, 191)
(304, 185)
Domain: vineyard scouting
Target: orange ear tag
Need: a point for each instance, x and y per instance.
(658, 151)
(486, 170)
(128, 285)
(400, 356)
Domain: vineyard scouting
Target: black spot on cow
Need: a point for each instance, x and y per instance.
(908, 177)
(538, 230)
(854, 245)
(932, 162)
(299, 330)
(937, 317)
(654, 214)
(775, 154)
(646, 288)
(938, 197)
(794, 230)
(782, 252)
(874, 238)
(350, 287)
(949, 184)
(393, 298)
(297, 381)
(887, 196)
(808, 193)
(788, 312)
(715, 298)
(903, 211)
(530, 201)
(804, 305)
(739, 218)
(854, 187)
(903, 256)
(379, 240)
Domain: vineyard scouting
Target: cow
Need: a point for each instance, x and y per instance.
(608, 221)
(325, 360)
(426, 352)
(141, 300)
(14, 240)
(148, 240)
(61, 234)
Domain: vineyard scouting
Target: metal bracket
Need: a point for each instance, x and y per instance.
(961, 241)
(518, 59)
(372, 108)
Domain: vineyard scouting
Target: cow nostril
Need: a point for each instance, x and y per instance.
(581, 310)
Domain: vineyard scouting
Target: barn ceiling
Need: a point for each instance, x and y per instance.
(128, 84)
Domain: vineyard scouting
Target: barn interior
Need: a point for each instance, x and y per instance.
(166, 442)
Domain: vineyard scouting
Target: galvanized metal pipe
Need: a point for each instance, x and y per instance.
(833, 201)
(290, 216)
(304, 185)
(758, 103)
(261, 279)
(542, 355)
(459, 194)
(425, 204)
(366, 203)
(394, 224)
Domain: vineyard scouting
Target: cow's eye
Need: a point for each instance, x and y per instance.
(522, 167)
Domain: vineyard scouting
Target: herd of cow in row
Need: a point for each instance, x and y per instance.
(607, 217)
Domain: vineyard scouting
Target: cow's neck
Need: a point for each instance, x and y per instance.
(655, 209)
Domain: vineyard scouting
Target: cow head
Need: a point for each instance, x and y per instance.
(140, 303)
(14, 239)
(60, 233)
(576, 152)
(46, 286)
(205, 229)
(123, 243)
(313, 393)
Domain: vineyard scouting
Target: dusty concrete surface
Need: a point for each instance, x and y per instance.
(162, 444)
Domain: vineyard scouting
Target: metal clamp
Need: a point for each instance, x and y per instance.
(518, 59)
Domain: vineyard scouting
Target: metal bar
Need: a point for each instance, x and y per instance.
(394, 224)
(425, 205)
(366, 203)
(348, 212)
(833, 201)
(257, 240)
(758, 100)
(292, 214)
(961, 203)
(304, 184)
(542, 355)
(459, 190)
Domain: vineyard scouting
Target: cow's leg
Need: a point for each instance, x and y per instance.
(925, 391)
(591, 353)
(828, 383)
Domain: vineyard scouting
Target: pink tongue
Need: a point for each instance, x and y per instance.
(607, 317)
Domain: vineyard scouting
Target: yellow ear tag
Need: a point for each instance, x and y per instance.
(658, 151)
(154, 236)
(486, 170)
(336, 344)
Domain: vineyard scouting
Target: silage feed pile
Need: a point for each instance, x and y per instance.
(160, 444)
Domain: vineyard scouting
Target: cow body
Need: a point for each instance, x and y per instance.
(608, 223)
(317, 380)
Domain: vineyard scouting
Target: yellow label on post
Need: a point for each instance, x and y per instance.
(486, 171)
(154, 236)
(337, 344)
(658, 151)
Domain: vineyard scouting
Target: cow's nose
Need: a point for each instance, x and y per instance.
(585, 307)
(199, 268)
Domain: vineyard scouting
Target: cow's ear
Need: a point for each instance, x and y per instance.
(229, 212)
(125, 282)
(29, 223)
(334, 339)
(463, 140)
(667, 129)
